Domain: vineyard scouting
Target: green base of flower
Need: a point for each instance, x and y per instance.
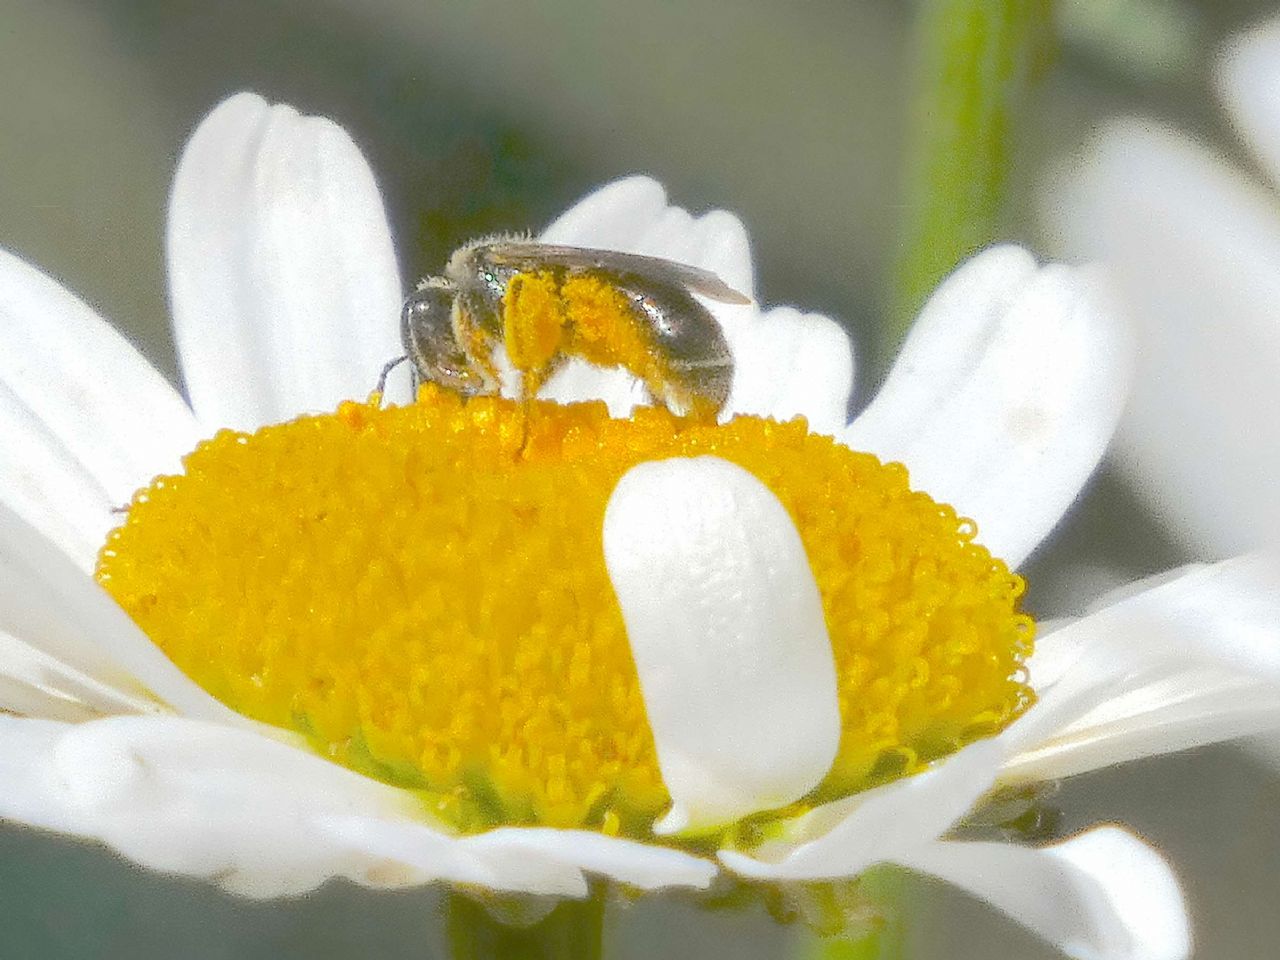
(572, 931)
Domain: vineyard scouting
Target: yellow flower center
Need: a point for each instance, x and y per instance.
(421, 591)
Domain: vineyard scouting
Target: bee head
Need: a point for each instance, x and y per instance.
(427, 329)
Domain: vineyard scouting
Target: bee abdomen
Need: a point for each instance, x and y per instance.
(688, 339)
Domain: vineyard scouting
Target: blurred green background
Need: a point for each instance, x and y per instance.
(491, 115)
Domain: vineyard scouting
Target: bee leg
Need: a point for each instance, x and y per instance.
(381, 388)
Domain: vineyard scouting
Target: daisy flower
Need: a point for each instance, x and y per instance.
(529, 650)
(1193, 243)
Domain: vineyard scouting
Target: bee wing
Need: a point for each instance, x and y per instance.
(530, 255)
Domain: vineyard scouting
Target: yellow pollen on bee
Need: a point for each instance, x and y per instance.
(533, 318)
(583, 315)
(421, 592)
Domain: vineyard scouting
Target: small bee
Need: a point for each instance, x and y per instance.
(545, 303)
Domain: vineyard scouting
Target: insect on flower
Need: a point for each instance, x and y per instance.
(545, 303)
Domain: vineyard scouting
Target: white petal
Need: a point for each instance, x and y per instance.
(533, 860)
(1193, 246)
(844, 838)
(946, 342)
(434, 855)
(1192, 660)
(86, 420)
(27, 700)
(31, 789)
(790, 364)
(631, 215)
(727, 629)
(1103, 895)
(1153, 718)
(49, 603)
(39, 685)
(47, 486)
(1249, 79)
(645, 866)
(577, 380)
(1011, 431)
(192, 798)
(284, 285)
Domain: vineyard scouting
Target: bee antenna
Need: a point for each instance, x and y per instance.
(386, 370)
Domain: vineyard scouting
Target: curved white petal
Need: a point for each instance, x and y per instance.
(1103, 895)
(283, 281)
(1193, 247)
(1010, 398)
(946, 342)
(85, 419)
(1249, 79)
(790, 364)
(49, 603)
(1192, 660)
(645, 866)
(632, 215)
(844, 838)
(194, 798)
(433, 855)
(534, 860)
(727, 629)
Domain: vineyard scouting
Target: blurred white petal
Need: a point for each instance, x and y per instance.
(1249, 80)
(1193, 247)
(727, 629)
(1009, 431)
(1103, 895)
(283, 281)
(85, 419)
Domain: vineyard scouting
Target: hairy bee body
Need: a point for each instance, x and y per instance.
(544, 303)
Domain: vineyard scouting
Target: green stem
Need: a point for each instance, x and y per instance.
(572, 931)
(888, 891)
(975, 64)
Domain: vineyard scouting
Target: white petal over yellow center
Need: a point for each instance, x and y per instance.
(422, 591)
(727, 630)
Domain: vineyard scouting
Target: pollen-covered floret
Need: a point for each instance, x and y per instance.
(421, 591)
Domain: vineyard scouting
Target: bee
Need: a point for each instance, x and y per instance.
(545, 303)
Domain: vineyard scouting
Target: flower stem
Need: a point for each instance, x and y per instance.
(888, 891)
(976, 61)
(572, 931)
